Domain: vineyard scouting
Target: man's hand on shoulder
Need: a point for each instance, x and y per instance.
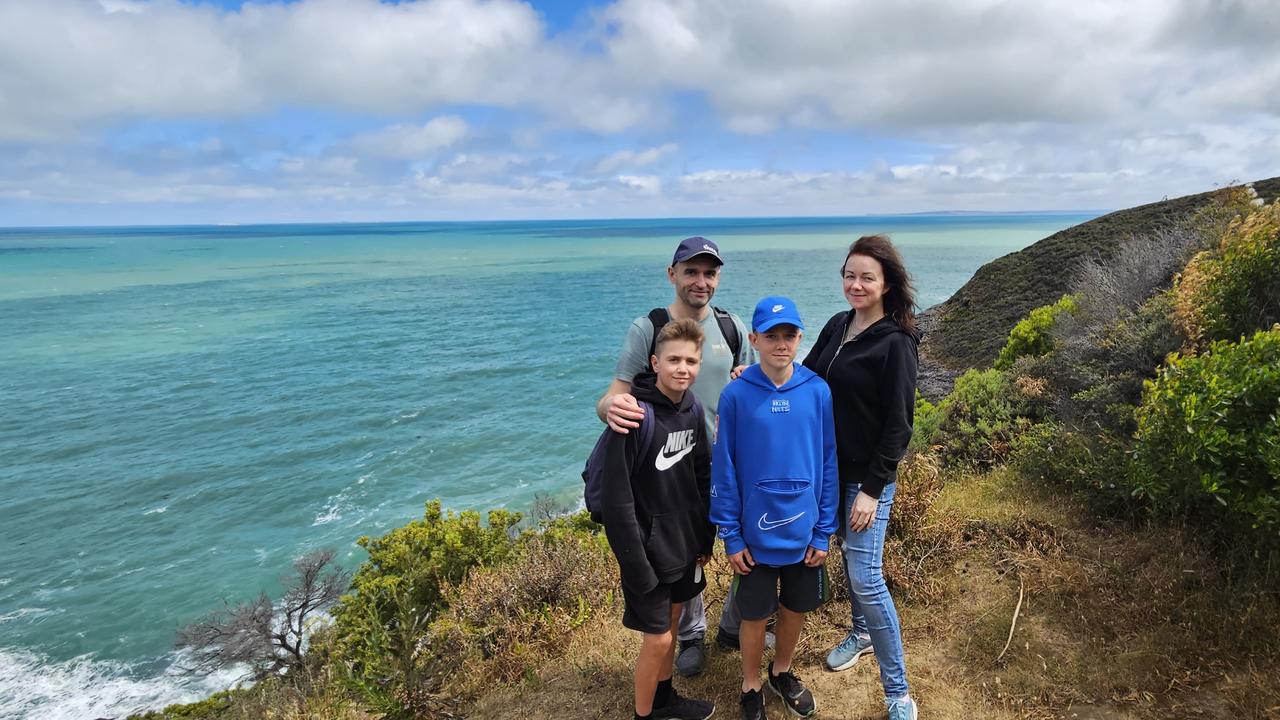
(736, 372)
(624, 413)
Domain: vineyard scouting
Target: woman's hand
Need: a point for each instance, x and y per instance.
(863, 512)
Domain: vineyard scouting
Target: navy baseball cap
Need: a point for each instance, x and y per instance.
(775, 310)
(691, 247)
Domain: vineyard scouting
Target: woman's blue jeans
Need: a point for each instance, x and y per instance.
(873, 610)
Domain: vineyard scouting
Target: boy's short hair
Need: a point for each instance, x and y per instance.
(682, 329)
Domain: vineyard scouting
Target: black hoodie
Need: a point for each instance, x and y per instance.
(873, 391)
(655, 507)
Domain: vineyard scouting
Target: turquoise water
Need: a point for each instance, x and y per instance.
(186, 410)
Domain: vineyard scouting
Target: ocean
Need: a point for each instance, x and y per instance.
(188, 409)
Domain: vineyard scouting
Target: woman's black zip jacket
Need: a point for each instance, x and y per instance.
(873, 391)
(656, 505)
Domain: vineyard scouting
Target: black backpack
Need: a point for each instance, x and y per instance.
(593, 473)
(659, 317)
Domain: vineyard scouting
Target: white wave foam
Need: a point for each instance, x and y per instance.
(156, 510)
(32, 687)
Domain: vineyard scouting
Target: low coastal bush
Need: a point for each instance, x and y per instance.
(980, 418)
(1234, 289)
(503, 620)
(1209, 432)
(382, 638)
(1033, 335)
(920, 544)
(1091, 465)
(924, 426)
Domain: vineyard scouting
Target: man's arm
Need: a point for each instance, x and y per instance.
(618, 407)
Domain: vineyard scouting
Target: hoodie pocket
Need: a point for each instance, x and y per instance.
(782, 512)
(670, 546)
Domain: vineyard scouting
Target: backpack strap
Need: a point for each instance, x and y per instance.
(729, 329)
(658, 317)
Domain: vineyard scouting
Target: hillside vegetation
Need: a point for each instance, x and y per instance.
(972, 324)
(1087, 528)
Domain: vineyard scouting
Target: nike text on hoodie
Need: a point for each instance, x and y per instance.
(775, 487)
(655, 506)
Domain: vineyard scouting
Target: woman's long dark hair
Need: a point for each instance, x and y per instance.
(900, 296)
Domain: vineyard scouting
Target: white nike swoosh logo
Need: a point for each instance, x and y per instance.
(662, 462)
(767, 524)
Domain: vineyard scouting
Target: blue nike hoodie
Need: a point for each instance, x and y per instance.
(774, 483)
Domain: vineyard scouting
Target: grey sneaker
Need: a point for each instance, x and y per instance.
(753, 706)
(726, 640)
(904, 709)
(691, 657)
(683, 708)
(844, 655)
(794, 694)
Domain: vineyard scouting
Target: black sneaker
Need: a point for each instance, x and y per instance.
(794, 694)
(691, 657)
(682, 708)
(727, 641)
(753, 706)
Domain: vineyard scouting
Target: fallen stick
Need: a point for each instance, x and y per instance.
(1014, 623)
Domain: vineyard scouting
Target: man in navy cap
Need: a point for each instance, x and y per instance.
(694, 273)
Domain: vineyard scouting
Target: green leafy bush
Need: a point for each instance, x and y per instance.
(1209, 427)
(1234, 290)
(925, 425)
(1093, 466)
(1032, 336)
(381, 625)
(980, 418)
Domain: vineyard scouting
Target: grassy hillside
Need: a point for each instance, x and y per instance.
(970, 328)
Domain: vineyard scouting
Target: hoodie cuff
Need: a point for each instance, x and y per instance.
(733, 544)
(820, 541)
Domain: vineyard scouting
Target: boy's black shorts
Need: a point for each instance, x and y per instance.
(804, 588)
(651, 612)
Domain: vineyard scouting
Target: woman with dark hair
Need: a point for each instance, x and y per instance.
(868, 356)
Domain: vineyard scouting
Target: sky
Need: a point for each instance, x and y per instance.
(229, 111)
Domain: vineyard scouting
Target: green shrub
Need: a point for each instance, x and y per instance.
(1031, 336)
(925, 425)
(381, 625)
(214, 706)
(1052, 453)
(980, 418)
(1234, 290)
(1209, 427)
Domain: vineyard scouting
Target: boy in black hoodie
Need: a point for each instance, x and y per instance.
(655, 509)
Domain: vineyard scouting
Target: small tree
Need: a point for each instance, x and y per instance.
(254, 635)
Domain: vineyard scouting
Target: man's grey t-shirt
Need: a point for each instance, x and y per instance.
(717, 359)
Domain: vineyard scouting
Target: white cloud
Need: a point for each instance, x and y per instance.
(412, 141)
(631, 159)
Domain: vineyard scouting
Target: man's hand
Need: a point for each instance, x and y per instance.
(703, 560)
(623, 413)
(734, 373)
(863, 512)
(813, 557)
(742, 562)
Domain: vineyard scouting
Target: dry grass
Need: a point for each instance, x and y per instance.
(1115, 623)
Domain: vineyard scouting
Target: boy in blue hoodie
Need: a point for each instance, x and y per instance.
(775, 490)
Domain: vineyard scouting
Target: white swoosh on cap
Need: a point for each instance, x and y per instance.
(663, 461)
(766, 524)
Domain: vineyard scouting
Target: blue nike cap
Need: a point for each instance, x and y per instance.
(775, 310)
